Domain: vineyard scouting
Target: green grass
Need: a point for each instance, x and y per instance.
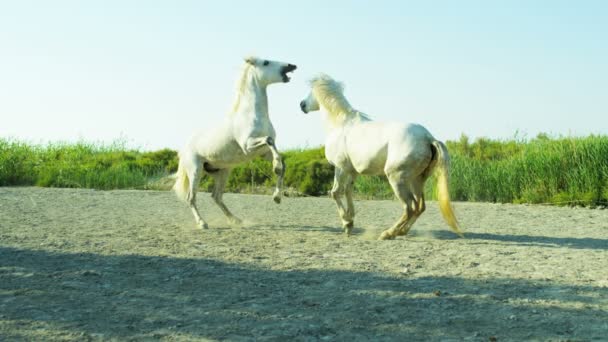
(81, 165)
(562, 170)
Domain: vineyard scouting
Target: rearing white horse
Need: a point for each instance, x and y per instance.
(406, 153)
(245, 133)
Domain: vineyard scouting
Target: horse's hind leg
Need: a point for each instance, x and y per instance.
(417, 190)
(220, 177)
(405, 195)
(350, 206)
(194, 177)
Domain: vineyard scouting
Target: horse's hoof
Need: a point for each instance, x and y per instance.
(402, 233)
(235, 220)
(385, 236)
(277, 199)
(203, 225)
(348, 227)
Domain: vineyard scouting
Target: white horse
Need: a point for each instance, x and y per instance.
(406, 153)
(245, 133)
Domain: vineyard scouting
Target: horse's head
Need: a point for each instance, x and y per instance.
(310, 103)
(321, 86)
(268, 72)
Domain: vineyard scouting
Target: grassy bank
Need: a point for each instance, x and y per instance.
(540, 170)
(81, 165)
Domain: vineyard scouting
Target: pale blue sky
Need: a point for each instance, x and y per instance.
(156, 71)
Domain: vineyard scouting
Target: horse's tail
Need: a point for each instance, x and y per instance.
(182, 183)
(442, 169)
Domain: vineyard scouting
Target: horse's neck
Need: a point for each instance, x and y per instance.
(337, 121)
(253, 101)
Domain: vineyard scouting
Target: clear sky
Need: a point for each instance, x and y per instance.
(153, 72)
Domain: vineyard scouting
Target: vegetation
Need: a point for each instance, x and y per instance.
(81, 165)
(542, 170)
(564, 170)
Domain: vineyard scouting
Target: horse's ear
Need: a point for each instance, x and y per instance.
(250, 60)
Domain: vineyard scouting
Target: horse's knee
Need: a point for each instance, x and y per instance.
(279, 167)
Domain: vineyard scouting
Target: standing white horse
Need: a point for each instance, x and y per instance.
(406, 153)
(244, 134)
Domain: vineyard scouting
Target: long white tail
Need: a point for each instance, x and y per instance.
(443, 195)
(182, 184)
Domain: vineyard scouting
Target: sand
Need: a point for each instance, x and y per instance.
(131, 265)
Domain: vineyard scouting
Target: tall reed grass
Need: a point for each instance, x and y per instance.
(81, 165)
(563, 170)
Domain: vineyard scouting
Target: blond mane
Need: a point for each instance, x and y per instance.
(241, 86)
(330, 94)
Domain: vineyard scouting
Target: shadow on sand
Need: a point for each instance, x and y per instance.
(528, 240)
(134, 296)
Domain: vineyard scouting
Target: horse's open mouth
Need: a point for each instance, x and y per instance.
(287, 69)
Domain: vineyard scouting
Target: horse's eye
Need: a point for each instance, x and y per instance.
(266, 62)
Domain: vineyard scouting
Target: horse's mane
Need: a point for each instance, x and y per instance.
(241, 84)
(330, 94)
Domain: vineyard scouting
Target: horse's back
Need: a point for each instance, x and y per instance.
(375, 147)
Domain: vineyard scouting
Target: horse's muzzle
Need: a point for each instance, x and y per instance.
(285, 70)
(303, 107)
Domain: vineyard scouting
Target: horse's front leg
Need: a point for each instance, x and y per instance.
(340, 181)
(278, 166)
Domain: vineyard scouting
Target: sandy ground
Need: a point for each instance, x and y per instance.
(120, 265)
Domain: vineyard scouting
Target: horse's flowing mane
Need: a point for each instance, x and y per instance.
(330, 94)
(241, 85)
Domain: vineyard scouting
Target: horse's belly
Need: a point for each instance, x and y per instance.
(370, 166)
(368, 159)
(222, 153)
(367, 149)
